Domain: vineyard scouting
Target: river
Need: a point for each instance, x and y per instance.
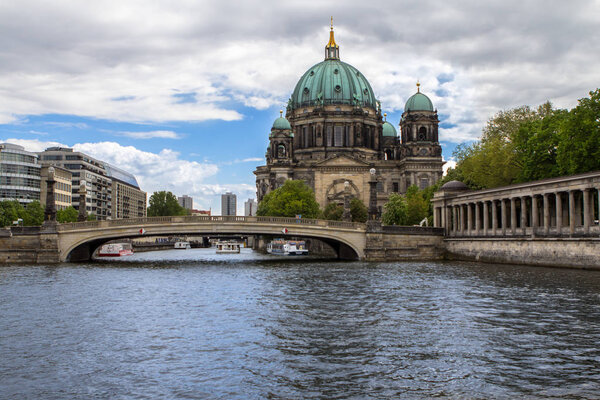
(190, 324)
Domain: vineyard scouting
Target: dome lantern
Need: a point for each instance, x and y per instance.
(332, 50)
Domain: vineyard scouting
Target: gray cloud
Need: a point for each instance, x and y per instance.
(79, 57)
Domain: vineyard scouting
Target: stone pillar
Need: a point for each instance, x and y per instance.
(513, 216)
(571, 212)
(82, 205)
(469, 219)
(346, 216)
(50, 211)
(524, 215)
(373, 212)
(486, 221)
(546, 214)
(494, 217)
(503, 216)
(559, 213)
(534, 214)
(461, 219)
(477, 219)
(454, 219)
(586, 211)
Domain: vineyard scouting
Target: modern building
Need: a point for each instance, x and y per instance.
(334, 132)
(200, 213)
(128, 200)
(250, 207)
(19, 174)
(228, 204)
(62, 187)
(186, 202)
(111, 192)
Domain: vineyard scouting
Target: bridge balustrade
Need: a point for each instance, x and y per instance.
(558, 207)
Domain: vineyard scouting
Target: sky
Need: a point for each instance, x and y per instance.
(183, 93)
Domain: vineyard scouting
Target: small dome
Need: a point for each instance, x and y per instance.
(281, 123)
(389, 130)
(454, 185)
(418, 102)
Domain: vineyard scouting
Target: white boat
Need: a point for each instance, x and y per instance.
(287, 247)
(115, 250)
(183, 245)
(228, 247)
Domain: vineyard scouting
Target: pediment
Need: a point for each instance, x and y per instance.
(341, 161)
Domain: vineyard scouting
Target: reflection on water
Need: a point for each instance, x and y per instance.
(193, 324)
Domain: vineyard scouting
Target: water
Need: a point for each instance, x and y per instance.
(191, 324)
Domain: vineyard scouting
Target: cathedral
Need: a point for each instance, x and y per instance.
(334, 136)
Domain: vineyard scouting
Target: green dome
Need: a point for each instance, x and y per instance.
(332, 82)
(281, 123)
(389, 130)
(418, 102)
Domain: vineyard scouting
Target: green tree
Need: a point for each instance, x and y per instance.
(579, 143)
(417, 205)
(69, 214)
(10, 211)
(164, 204)
(333, 212)
(358, 210)
(394, 211)
(92, 217)
(33, 214)
(291, 199)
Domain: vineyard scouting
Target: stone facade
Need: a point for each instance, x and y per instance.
(62, 187)
(334, 131)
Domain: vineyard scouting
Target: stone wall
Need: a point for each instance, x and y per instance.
(571, 253)
(28, 246)
(404, 243)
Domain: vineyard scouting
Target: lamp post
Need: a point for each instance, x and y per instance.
(82, 216)
(373, 212)
(347, 216)
(50, 211)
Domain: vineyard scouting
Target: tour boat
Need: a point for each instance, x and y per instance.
(228, 247)
(182, 245)
(115, 250)
(287, 247)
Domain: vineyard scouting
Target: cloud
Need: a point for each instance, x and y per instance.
(157, 62)
(151, 135)
(38, 133)
(450, 164)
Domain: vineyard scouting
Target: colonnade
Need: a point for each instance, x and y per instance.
(542, 209)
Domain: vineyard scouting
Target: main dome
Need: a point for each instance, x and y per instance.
(333, 82)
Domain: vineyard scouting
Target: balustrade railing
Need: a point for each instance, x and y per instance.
(283, 221)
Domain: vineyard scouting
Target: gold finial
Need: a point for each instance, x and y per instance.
(418, 87)
(331, 39)
(332, 22)
(385, 116)
(280, 113)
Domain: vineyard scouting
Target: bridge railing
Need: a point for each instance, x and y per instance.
(283, 221)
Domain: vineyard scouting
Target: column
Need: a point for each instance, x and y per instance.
(477, 218)
(523, 214)
(559, 215)
(469, 219)
(503, 216)
(546, 214)
(513, 216)
(571, 212)
(534, 214)
(494, 217)
(586, 210)
(454, 219)
(486, 221)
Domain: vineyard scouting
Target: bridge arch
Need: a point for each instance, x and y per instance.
(78, 241)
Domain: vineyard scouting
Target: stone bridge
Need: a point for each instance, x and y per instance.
(77, 241)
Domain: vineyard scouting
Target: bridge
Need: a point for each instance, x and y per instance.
(77, 241)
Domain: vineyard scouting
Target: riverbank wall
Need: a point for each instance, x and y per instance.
(581, 253)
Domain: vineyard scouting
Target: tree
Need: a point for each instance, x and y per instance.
(333, 212)
(579, 144)
(33, 214)
(164, 204)
(417, 205)
(92, 217)
(10, 211)
(358, 210)
(394, 211)
(291, 199)
(69, 214)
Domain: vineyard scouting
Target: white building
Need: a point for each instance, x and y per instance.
(250, 207)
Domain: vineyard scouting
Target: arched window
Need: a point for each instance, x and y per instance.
(422, 133)
(281, 153)
(388, 154)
